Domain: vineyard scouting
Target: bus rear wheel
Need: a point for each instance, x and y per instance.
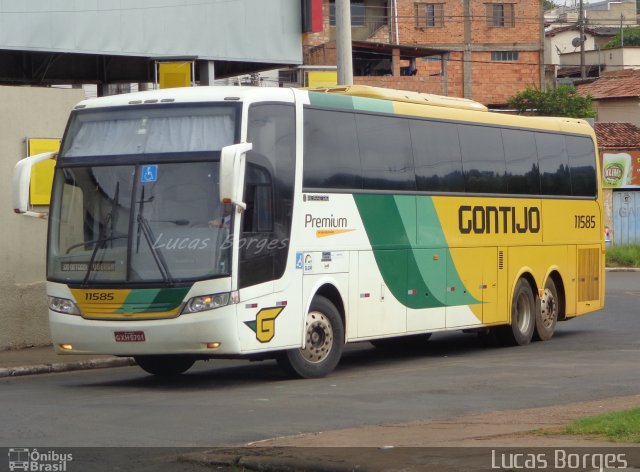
(165, 366)
(547, 316)
(324, 339)
(523, 317)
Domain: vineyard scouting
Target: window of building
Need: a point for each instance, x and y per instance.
(429, 15)
(504, 56)
(358, 15)
(500, 15)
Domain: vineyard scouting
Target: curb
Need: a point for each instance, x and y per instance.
(622, 269)
(66, 366)
(262, 461)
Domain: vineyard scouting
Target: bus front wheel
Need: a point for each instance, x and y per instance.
(547, 316)
(523, 317)
(324, 339)
(165, 366)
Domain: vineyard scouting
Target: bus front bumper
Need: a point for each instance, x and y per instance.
(208, 333)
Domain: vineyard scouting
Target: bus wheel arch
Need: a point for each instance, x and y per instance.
(324, 342)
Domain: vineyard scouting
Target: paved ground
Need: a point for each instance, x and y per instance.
(475, 442)
(487, 441)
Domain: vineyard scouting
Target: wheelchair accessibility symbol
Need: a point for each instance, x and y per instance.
(149, 174)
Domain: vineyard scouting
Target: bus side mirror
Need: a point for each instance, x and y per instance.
(232, 166)
(21, 184)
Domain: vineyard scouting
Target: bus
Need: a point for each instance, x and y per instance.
(262, 223)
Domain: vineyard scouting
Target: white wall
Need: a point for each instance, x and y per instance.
(36, 113)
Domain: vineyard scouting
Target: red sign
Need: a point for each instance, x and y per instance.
(129, 336)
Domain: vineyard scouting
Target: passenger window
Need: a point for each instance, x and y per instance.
(523, 172)
(385, 152)
(582, 163)
(331, 156)
(483, 160)
(554, 164)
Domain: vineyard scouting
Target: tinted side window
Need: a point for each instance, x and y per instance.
(269, 178)
(523, 173)
(554, 164)
(331, 156)
(385, 152)
(482, 159)
(582, 164)
(436, 151)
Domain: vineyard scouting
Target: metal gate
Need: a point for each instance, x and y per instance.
(626, 217)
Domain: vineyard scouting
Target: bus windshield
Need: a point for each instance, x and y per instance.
(138, 223)
(136, 196)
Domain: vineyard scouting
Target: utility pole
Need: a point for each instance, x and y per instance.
(583, 73)
(344, 55)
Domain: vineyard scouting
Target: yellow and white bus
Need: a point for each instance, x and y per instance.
(210, 222)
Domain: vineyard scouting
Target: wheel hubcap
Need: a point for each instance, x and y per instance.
(319, 338)
(548, 308)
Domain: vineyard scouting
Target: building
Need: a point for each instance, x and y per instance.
(619, 146)
(616, 96)
(486, 50)
(602, 21)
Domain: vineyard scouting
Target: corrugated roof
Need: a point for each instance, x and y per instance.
(618, 135)
(622, 84)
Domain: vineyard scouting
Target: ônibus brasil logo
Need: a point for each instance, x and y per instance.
(23, 458)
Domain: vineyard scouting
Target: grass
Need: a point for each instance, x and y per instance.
(618, 426)
(626, 255)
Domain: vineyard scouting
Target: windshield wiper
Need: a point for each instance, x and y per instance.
(143, 225)
(103, 240)
(102, 236)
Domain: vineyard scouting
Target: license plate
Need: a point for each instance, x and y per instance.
(129, 336)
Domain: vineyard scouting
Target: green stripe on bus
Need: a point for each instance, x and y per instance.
(406, 251)
(153, 300)
(373, 104)
(330, 100)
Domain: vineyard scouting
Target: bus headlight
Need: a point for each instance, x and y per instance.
(206, 302)
(63, 305)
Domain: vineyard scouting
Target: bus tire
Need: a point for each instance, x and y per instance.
(523, 317)
(547, 316)
(324, 340)
(165, 366)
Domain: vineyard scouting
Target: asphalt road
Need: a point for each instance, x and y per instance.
(235, 402)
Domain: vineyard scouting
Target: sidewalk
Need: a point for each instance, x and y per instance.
(468, 443)
(43, 360)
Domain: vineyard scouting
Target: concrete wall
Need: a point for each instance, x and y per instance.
(624, 110)
(36, 113)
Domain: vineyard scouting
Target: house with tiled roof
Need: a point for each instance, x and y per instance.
(616, 96)
(619, 147)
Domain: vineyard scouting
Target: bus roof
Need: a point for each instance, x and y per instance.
(404, 96)
(448, 108)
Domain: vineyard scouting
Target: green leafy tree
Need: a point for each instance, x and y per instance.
(563, 101)
(631, 38)
(549, 4)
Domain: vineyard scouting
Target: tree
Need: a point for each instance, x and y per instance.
(564, 101)
(549, 4)
(631, 38)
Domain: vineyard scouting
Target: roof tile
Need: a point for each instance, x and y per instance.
(623, 84)
(618, 135)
